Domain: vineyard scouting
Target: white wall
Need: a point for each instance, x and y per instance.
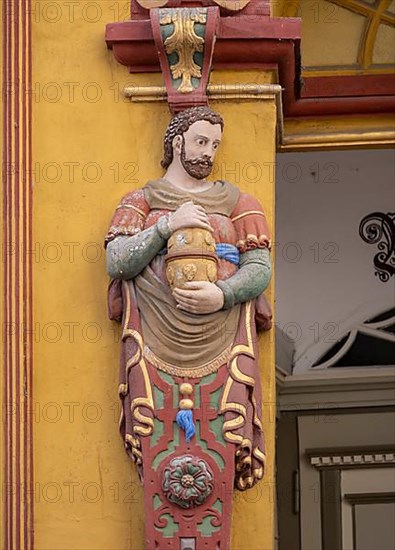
(325, 272)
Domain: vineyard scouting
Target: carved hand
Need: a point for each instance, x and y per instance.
(199, 297)
(189, 215)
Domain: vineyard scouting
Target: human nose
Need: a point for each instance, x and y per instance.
(210, 151)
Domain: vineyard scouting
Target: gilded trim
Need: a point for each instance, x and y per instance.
(262, 241)
(237, 375)
(249, 213)
(133, 208)
(196, 372)
(134, 446)
(246, 481)
(215, 92)
(259, 454)
(185, 43)
(350, 139)
(136, 361)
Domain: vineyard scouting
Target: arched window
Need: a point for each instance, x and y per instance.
(369, 344)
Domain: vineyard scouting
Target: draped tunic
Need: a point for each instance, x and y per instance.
(186, 345)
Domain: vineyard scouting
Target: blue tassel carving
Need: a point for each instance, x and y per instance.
(184, 419)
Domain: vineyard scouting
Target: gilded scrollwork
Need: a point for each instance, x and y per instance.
(185, 42)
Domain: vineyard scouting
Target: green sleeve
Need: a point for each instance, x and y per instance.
(250, 280)
(128, 256)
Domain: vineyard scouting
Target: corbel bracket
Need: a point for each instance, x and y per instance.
(185, 40)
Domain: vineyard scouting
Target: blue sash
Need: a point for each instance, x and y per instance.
(228, 252)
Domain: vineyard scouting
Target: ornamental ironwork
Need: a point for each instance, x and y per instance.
(379, 228)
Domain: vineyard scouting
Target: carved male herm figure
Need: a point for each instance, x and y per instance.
(189, 260)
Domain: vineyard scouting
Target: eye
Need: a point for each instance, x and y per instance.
(215, 146)
(201, 141)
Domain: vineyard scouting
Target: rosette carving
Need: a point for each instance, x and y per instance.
(187, 481)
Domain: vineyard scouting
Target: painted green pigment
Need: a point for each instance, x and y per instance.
(170, 448)
(203, 444)
(205, 528)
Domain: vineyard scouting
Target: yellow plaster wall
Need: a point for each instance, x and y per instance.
(91, 147)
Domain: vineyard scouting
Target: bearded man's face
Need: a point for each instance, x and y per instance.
(199, 168)
(199, 146)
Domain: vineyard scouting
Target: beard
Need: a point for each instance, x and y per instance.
(198, 168)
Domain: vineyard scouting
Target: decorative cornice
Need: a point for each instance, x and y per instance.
(340, 388)
(351, 458)
(244, 42)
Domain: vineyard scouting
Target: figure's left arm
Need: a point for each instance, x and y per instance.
(254, 243)
(250, 280)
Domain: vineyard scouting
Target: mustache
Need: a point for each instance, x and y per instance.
(201, 161)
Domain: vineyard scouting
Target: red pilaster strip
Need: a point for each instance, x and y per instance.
(17, 277)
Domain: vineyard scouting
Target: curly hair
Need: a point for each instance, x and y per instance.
(181, 122)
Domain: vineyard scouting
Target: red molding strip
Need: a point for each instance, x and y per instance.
(348, 86)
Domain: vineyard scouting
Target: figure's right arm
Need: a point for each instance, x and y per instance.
(128, 256)
(130, 247)
(126, 234)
